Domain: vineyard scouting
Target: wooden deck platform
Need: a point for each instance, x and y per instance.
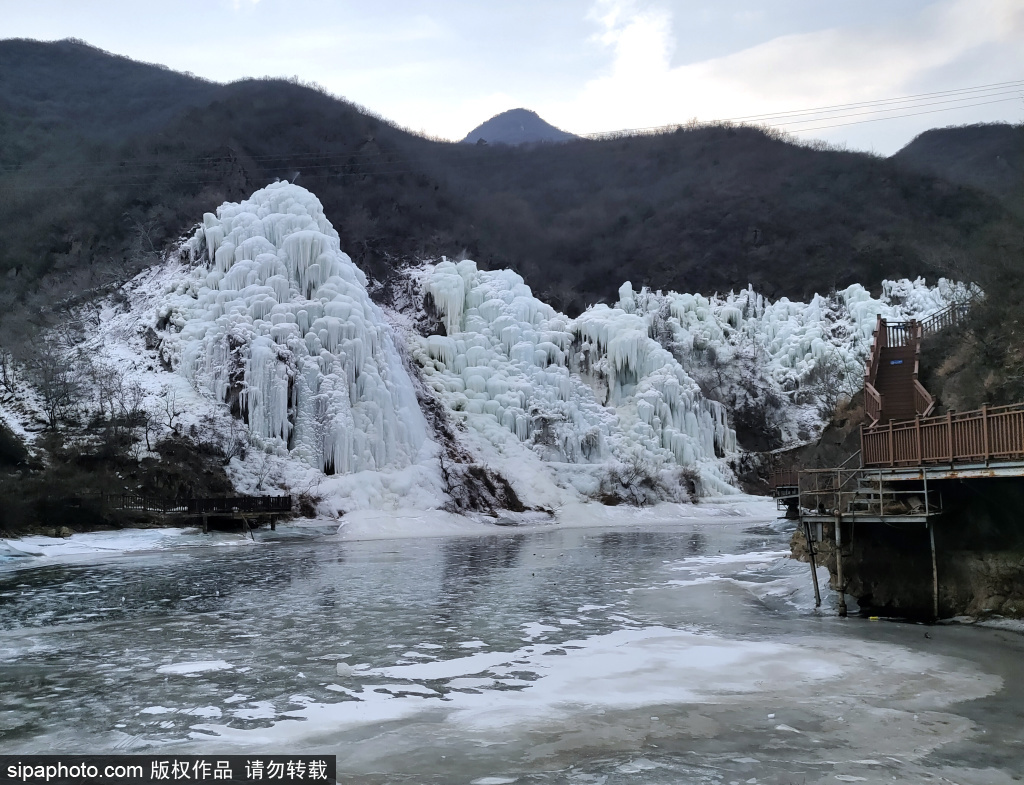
(257, 509)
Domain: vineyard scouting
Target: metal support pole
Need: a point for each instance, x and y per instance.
(926, 506)
(840, 585)
(935, 572)
(814, 566)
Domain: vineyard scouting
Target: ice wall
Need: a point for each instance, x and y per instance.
(801, 354)
(276, 317)
(586, 391)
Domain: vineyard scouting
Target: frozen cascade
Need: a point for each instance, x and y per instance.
(277, 316)
(591, 390)
(273, 319)
(745, 345)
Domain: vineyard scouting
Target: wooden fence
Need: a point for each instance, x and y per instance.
(232, 504)
(209, 506)
(899, 334)
(980, 436)
(142, 504)
(947, 317)
(123, 501)
(789, 478)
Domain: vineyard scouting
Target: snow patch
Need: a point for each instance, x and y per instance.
(188, 668)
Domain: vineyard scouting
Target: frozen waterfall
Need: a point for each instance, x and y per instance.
(592, 390)
(276, 320)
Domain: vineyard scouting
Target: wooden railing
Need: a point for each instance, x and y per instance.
(231, 504)
(872, 402)
(979, 436)
(875, 352)
(142, 504)
(124, 501)
(923, 401)
(788, 478)
(211, 506)
(947, 317)
(909, 335)
(901, 333)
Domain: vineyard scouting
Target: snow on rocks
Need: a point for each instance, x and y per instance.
(275, 320)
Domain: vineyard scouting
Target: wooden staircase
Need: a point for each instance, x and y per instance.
(892, 390)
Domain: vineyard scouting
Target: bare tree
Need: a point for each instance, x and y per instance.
(106, 381)
(634, 479)
(833, 382)
(263, 469)
(57, 379)
(238, 441)
(8, 370)
(171, 412)
(150, 423)
(130, 396)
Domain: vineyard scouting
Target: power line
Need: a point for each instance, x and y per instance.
(859, 104)
(896, 117)
(1015, 93)
(915, 101)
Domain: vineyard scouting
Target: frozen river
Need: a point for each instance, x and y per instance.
(664, 651)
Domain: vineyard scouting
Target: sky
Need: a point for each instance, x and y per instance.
(443, 67)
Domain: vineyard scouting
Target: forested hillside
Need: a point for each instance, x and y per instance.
(105, 160)
(987, 157)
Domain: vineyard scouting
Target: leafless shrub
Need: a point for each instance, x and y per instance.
(634, 480)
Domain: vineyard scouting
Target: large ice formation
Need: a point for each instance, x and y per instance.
(594, 390)
(656, 375)
(789, 360)
(276, 320)
(271, 318)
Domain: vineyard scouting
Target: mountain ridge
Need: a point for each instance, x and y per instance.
(703, 209)
(516, 127)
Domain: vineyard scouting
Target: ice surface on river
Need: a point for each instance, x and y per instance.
(279, 318)
(682, 650)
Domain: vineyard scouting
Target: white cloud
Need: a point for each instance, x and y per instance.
(826, 67)
(583, 65)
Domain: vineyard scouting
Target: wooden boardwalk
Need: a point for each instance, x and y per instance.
(239, 508)
(983, 436)
(896, 478)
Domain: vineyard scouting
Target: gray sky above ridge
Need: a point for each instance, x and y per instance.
(583, 65)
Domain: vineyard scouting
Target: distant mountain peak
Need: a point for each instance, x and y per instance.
(516, 126)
